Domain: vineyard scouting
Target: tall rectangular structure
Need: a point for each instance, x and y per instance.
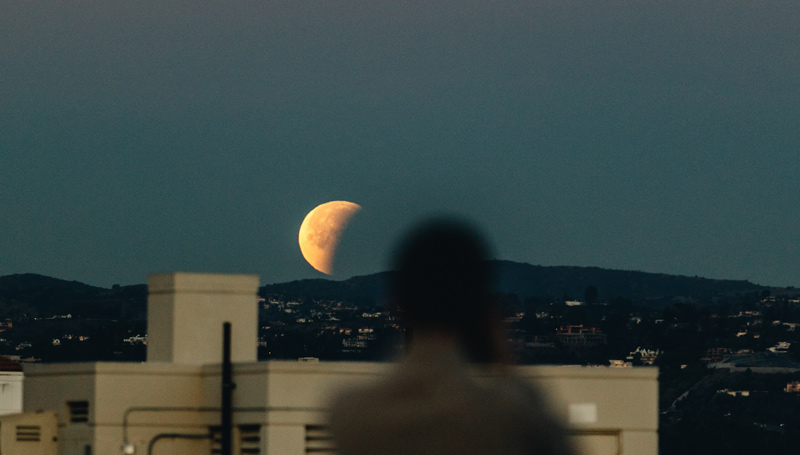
(186, 312)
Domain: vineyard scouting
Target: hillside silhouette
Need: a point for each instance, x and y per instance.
(526, 280)
(30, 295)
(35, 295)
(559, 281)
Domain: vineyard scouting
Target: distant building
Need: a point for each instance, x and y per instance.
(734, 393)
(714, 355)
(781, 348)
(645, 356)
(136, 339)
(580, 336)
(354, 343)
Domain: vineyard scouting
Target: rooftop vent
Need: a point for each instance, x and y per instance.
(30, 433)
(250, 439)
(319, 440)
(78, 411)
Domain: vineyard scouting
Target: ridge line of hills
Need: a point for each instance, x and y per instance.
(556, 282)
(42, 296)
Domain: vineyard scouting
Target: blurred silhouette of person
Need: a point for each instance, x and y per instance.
(453, 392)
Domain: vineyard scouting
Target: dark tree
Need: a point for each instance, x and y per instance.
(591, 295)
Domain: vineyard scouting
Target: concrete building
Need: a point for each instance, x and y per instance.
(171, 403)
(10, 387)
(579, 336)
(30, 433)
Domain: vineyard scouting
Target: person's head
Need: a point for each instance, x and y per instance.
(442, 282)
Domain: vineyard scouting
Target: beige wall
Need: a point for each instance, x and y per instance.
(605, 407)
(186, 312)
(610, 410)
(10, 392)
(112, 389)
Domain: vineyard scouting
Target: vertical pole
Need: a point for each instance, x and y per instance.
(227, 391)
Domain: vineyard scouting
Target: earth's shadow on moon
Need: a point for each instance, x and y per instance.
(355, 254)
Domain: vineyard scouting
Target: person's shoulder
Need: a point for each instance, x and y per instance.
(360, 403)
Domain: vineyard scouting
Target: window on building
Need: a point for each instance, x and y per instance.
(78, 411)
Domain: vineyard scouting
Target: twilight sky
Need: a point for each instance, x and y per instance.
(150, 136)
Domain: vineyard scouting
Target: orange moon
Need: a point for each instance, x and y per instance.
(321, 231)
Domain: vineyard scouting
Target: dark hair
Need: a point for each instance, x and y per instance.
(442, 281)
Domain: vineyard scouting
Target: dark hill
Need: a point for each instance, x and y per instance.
(41, 296)
(367, 289)
(562, 281)
(24, 281)
(30, 296)
(528, 280)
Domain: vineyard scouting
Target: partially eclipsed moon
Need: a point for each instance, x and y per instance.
(321, 231)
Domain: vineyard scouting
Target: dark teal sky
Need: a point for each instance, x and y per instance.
(150, 136)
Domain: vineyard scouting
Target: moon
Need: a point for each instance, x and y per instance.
(321, 231)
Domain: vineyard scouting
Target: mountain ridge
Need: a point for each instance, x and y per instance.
(527, 280)
(43, 296)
